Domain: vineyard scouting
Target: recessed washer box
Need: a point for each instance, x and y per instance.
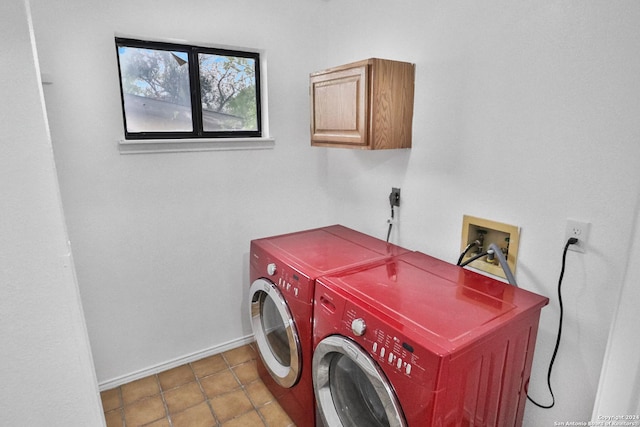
(485, 231)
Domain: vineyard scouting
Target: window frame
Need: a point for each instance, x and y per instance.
(198, 133)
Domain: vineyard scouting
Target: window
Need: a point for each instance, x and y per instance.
(173, 91)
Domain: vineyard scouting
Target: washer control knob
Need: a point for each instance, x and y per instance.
(358, 327)
(271, 269)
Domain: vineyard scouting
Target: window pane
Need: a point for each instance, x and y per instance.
(156, 91)
(228, 91)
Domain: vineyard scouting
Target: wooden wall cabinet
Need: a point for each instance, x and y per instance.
(366, 104)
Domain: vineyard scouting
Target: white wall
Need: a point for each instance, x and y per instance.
(162, 240)
(619, 391)
(525, 113)
(47, 371)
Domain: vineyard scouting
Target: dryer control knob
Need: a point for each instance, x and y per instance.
(271, 269)
(358, 327)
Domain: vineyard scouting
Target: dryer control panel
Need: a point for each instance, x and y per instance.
(291, 282)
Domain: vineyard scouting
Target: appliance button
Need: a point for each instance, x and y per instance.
(271, 269)
(295, 291)
(358, 327)
(407, 369)
(399, 364)
(375, 347)
(391, 356)
(382, 351)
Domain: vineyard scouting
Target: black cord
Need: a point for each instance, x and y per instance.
(390, 225)
(469, 246)
(571, 241)
(473, 258)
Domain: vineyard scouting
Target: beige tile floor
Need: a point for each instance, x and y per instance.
(223, 390)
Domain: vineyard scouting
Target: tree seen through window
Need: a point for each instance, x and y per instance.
(163, 96)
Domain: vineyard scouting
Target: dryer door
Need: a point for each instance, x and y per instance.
(275, 333)
(351, 389)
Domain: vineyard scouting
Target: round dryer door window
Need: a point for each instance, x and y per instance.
(350, 387)
(275, 333)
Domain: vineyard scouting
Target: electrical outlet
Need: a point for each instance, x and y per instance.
(579, 230)
(394, 197)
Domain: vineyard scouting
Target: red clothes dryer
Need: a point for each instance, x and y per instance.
(418, 342)
(283, 270)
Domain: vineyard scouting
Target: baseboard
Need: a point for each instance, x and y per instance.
(152, 370)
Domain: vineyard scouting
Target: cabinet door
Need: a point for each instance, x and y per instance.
(339, 107)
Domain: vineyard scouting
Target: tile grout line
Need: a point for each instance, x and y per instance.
(255, 408)
(124, 421)
(123, 405)
(164, 402)
(230, 368)
(262, 417)
(206, 398)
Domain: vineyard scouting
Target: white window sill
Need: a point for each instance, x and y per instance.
(140, 146)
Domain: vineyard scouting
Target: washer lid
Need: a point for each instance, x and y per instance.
(324, 250)
(445, 312)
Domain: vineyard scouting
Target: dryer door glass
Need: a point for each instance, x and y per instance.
(275, 330)
(275, 333)
(351, 389)
(354, 396)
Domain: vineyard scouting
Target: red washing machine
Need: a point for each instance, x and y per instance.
(283, 270)
(419, 342)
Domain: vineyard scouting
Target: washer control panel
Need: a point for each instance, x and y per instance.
(358, 326)
(388, 346)
(390, 349)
